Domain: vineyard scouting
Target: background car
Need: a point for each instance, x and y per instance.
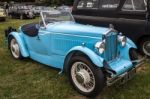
(66, 8)
(20, 11)
(2, 14)
(131, 17)
(92, 57)
(38, 9)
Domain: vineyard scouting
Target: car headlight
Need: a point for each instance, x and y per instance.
(100, 46)
(122, 40)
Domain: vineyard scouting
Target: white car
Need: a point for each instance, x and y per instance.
(2, 14)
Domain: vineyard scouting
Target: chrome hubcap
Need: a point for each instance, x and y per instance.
(83, 77)
(146, 48)
(14, 48)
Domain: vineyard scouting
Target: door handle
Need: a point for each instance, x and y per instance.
(38, 37)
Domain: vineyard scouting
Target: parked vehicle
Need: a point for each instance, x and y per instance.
(38, 9)
(131, 17)
(92, 57)
(20, 11)
(67, 8)
(2, 14)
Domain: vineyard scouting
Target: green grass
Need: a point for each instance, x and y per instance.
(27, 79)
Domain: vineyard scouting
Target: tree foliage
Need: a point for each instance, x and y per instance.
(60, 2)
(50, 2)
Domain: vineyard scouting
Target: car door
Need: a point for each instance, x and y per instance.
(37, 43)
(132, 18)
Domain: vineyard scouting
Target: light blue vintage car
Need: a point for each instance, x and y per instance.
(92, 57)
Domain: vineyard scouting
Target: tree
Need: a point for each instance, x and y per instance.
(50, 2)
(60, 2)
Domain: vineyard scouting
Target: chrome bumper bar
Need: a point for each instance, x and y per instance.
(127, 75)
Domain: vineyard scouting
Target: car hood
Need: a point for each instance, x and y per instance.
(76, 29)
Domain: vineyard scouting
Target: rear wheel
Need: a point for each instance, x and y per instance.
(14, 48)
(86, 78)
(145, 46)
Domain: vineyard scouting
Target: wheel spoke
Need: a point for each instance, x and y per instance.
(83, 76)
(14, 48)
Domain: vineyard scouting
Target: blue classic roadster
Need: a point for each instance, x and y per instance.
(92, 57)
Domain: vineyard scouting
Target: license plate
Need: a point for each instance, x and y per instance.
(128, 76)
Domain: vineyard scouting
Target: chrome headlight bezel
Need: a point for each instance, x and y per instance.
(122, 40)
(100, 46)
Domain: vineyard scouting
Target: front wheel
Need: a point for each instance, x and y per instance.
(145, 46)
(14, 48)
(86, 78)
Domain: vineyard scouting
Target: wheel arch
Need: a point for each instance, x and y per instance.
(21, 43)
(129, 45)
(83, 51)
(140, 43)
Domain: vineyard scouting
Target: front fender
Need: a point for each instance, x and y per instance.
(97, 60)
(20, 41)
(125, 50)
(131, 43)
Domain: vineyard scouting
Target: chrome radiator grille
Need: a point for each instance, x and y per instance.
(111, 51)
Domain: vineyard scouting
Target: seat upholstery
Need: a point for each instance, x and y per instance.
(30, 29)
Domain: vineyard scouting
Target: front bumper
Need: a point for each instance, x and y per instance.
(122, 78)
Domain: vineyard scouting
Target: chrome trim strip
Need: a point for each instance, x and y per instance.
(44, 33)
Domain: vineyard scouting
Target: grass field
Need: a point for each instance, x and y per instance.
(27, 79)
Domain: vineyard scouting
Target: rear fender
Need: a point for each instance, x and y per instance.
(20, 41)
(97, 60)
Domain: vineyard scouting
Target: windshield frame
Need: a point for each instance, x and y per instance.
(43, 19)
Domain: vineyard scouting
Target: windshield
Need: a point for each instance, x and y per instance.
(56, 16)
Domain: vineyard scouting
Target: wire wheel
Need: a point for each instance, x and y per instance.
(83, 77)
(14, 47)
